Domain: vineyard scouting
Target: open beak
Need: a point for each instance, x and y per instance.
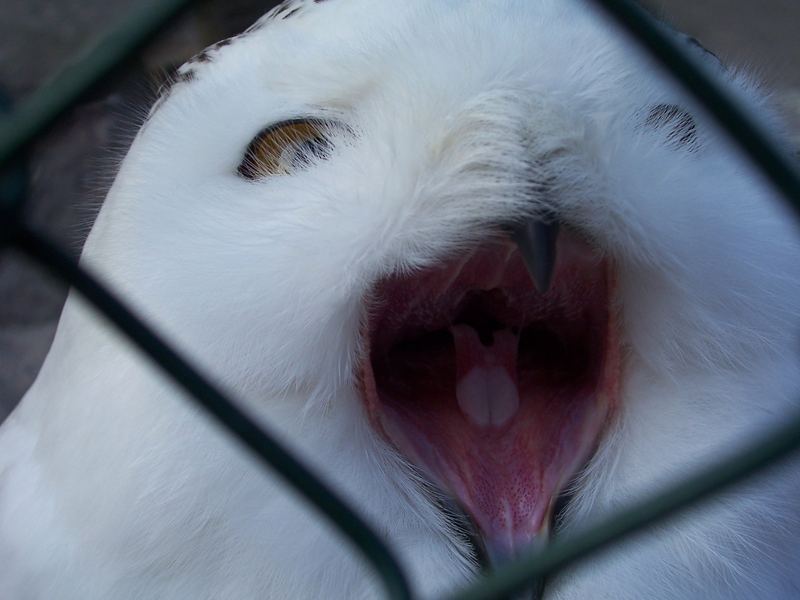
(495, 373)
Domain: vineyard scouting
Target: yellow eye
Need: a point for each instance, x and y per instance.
(286, 147)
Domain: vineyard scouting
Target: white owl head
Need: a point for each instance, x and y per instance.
(321, 212)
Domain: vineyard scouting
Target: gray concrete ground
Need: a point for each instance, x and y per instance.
(72, 166)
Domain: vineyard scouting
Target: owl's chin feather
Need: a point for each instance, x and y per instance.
(496, 392)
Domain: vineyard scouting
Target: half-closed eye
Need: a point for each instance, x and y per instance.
(287, 147)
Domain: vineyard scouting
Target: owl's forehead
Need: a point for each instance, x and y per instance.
(338, 53)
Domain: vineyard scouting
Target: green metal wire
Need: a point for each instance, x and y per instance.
(734, 119)
(30, 121)
(225, 412)
(655, 508)
(757, 145)
(86, 69)
(63, 92)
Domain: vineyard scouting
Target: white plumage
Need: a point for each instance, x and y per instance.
(113, 486)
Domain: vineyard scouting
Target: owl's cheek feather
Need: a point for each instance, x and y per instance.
(496, 392)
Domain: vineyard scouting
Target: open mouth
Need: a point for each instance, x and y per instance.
(496, 391)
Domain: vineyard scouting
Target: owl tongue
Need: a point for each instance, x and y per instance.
(486, 376)
(496, 392)
(504, 447)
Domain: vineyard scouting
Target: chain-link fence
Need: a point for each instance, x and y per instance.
(33, 118)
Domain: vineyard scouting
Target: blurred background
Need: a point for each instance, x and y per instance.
(73, 165)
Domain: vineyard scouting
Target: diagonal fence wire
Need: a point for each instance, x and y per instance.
(720, 104)
(561, 553)
(756, 143)
(206, 394)
(88, 68)
(30, 121)
(34, 117)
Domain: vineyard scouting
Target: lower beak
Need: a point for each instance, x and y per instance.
(505, 547)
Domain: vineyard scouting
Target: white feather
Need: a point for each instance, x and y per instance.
(112, 485)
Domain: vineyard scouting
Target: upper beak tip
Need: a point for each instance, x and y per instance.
(537, 241)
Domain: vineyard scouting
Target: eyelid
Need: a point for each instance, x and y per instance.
(266, 153)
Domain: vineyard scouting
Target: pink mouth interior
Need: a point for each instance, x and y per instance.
(496, 392)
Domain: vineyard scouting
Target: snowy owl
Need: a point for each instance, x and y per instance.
(464, 256)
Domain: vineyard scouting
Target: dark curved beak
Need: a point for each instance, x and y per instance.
(536, 240)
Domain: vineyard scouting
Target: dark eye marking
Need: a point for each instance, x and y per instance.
(288, 9)
(680, 124)
(192, 69)
(186, 76)
(287, 147)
